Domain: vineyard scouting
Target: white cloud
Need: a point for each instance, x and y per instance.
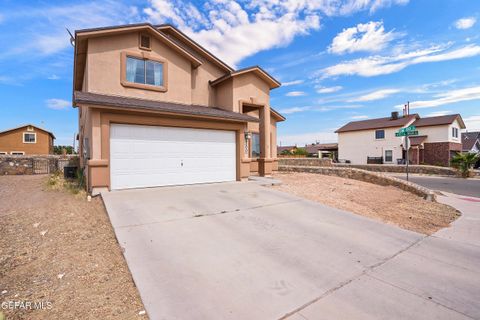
(449, 97)
(439, 113)
(359, 117)
(292, 83)
(233, 30)
(53, 77)
(294, 110)
(58, 104)
(369, 37)
(375, 95)
(295, 94)
(465, 23)
(306, 138)
(472, 123)
(329, 89)
(377, 4)
(380, 65)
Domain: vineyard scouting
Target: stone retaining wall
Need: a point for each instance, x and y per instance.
(21, 165)
(311, 162)
(419, 169)
(366, 176)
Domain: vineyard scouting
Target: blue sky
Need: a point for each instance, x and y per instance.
(338, 60)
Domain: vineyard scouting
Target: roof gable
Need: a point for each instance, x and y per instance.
(262, 74)
(439, 120)
(174, 34)
(378, 123)
(26, 126)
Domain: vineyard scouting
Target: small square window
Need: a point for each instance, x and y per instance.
(29, 137)
(379, 134)
(145, 42)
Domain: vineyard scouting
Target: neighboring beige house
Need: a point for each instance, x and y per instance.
(155, 108)
(374, 140)
(26, 140)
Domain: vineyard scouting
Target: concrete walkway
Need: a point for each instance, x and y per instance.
(243, 251)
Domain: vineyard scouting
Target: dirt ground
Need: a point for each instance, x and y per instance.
(58, 249)
(388, 204)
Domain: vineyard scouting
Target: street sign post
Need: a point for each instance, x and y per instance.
(406, 132)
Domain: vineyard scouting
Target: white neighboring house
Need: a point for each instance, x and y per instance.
(374, 140)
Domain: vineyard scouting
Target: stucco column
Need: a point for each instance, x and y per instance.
(265, 160)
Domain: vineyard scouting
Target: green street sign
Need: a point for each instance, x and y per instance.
(408, 131)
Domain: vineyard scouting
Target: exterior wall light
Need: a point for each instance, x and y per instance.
(248, 135)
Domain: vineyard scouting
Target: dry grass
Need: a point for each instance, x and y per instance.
(388, 204)
(57, 247)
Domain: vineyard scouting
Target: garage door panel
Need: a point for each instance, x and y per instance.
(147, 156)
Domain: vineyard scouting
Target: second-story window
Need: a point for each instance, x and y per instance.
(379, 134)
(455, 132)
(144, 71)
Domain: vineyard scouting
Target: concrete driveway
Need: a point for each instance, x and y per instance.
(467, 187)
(242, 251)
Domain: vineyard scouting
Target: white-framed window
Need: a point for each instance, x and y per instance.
(29, 137)
(454, 132)
(3, 153)
(379, 134)
(17, 153)
(388, 155)
(143, 71)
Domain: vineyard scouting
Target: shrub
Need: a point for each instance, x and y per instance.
(464, 162)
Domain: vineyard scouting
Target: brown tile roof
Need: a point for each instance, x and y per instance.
(161, 106)
(280, 149)
(469, 139)
(440, 120)
(378, 123)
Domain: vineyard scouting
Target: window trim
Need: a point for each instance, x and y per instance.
(3, 153)
(140, 35)
(385, 155)
(143, 56)
(383, 134)
(20, 153)
(34, 133)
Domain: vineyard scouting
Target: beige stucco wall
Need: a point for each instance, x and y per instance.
(13, 141)
(104, 68)
(356, 146)
(441, 133)
(224, 95)
(249, 87)
(202, 93)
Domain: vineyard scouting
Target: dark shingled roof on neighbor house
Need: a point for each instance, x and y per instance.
(439, 120)
(160, 106)
(378, 123)
(469, 139)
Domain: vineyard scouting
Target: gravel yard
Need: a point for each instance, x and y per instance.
(388, 204)
(60, 249)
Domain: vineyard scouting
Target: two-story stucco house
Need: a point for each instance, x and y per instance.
(26, 140)
(155, 109)
(374, 140)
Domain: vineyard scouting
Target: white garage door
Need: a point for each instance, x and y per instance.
(150, 156)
